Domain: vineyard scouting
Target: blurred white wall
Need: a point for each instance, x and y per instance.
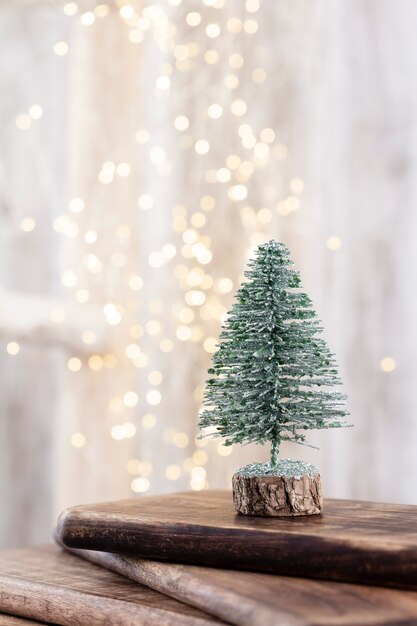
(145, 151)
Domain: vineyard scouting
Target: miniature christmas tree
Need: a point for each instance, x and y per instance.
(272, 372)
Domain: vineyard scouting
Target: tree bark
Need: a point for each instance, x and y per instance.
(276, 496)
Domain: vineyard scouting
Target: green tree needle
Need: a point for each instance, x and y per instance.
(272, 376)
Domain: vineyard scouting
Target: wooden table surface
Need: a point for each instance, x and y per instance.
(351, 541)
(248, 599)
(44, 583)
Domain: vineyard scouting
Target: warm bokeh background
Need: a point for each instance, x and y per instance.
(146, 148)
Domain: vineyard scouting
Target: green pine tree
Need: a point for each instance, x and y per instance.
(271, 371)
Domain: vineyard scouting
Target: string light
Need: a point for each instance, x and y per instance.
(136, 36)
(142, 136)
(163, 83)
(145, 202)
(57, 316)
(28, 224)
(153, 397)
(74, 364)
(202, 146)
(259, 75)
(264, 216)
(181, 440)
(296, 185)
(213, 30)
(78, 440)
(153, 327)
(88, 18)
(280, 151)
(238, 192)
(69, 279)
(185, 252)
(211, 57)
(70, 8)
(140, 485)
(102, 10)
(193, 18)
(13, 348)
(90, 236)
(234, 25)
(250, 26)
(238, 108)
(388, 364)
(35, 112)
(76, 205)
(198, 478)
(113, 313)
(23, 121)
(148, 421)
(146, 468)
(236, 61)
(123, 169)
(130, 398)
(224, 450)
(157, 155)
(173, 472)
(134, 466)
(89, 337)
(334, 243)
(82, 296)
(200, 457)
(252, 6)
(155, 377)
(127, 11)
(132, 351)
(109, 361)
(61, 48)
(210, 345)
(123, 431)
(166, 345)
(95, 362)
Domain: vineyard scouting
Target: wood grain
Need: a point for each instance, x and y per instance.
(47, 584)
(248, 599)
(351, 541)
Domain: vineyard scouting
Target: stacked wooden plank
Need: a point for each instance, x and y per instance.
(189, 559)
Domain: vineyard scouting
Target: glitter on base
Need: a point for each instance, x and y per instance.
(283, 467)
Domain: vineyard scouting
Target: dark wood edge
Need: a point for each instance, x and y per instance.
(311, 556)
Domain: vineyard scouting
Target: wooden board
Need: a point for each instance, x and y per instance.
(351, 541)
(9, 620)
(248, 599)
(47, 584)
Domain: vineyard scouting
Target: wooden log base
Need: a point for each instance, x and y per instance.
(274, 495)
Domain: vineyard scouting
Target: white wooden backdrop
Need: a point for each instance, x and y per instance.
(341, 95)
